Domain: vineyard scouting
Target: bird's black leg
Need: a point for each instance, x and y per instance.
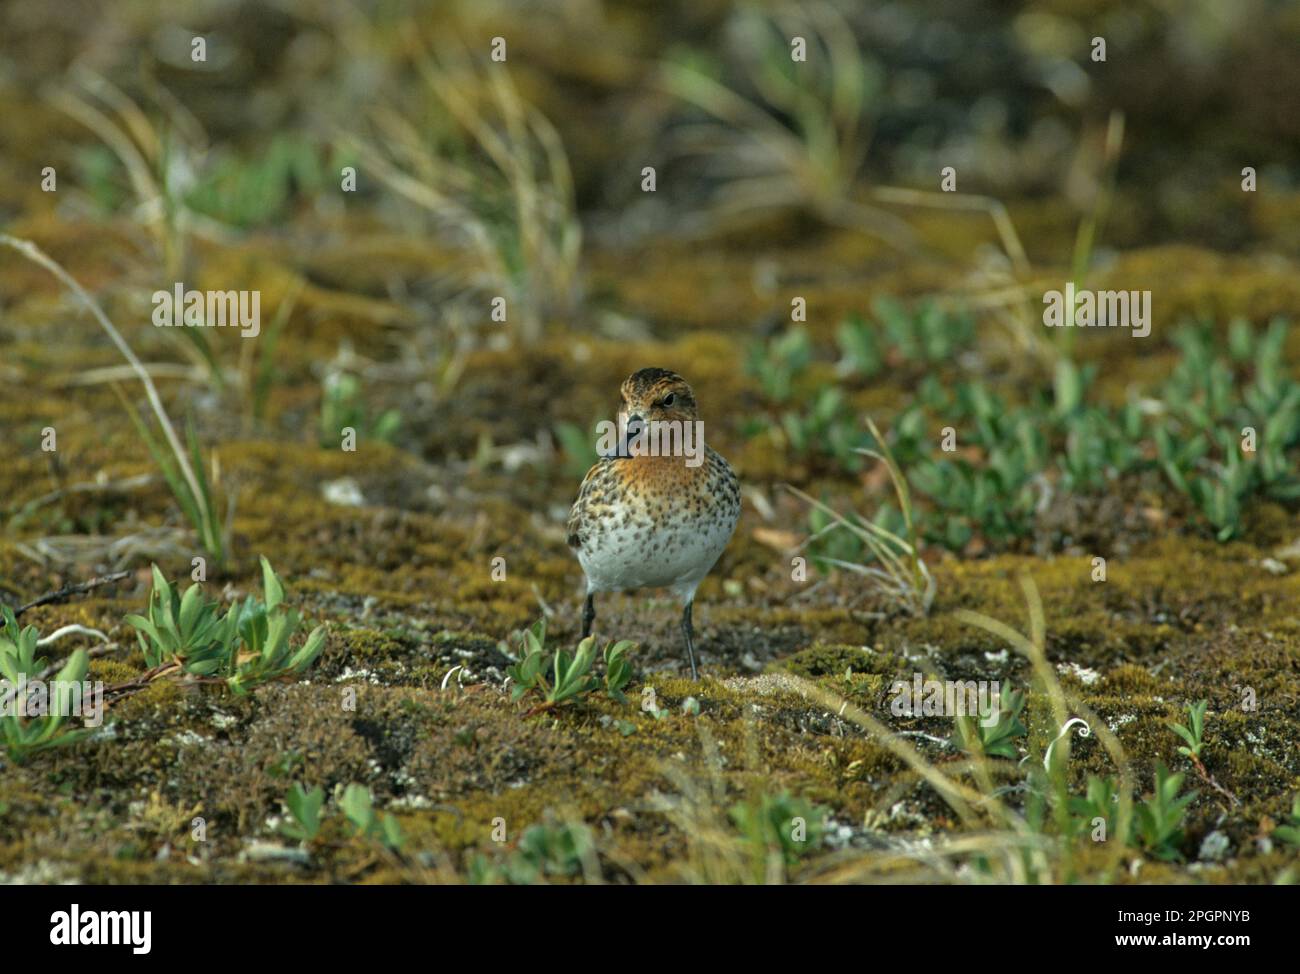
(689, 632)
(588, 616)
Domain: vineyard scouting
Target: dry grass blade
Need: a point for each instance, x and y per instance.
(802, 144)
(1062, 702)
(33, 253)
(697, 809)
(496, 182)
(965, 801)
(903, 576)
(1015, 250)
(960, 798)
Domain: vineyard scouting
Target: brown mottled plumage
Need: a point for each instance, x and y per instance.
(645, 521)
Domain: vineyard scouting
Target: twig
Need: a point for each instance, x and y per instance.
(943, 742)
(1209, 779)
(114, 373)
(94, 651)
(76, 588)
(128, 483)
(1011, 244)
(138, 683)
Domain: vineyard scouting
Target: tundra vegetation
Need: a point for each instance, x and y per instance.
(458, 259)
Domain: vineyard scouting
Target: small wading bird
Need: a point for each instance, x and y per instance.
(647, 521)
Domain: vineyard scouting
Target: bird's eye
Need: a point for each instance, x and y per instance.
(668, 399)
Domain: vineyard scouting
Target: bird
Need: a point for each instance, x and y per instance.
(654, 518)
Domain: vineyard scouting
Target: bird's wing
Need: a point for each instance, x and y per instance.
(586, 493)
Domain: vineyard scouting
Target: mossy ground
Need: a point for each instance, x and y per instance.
(405, 581)
(405, 585)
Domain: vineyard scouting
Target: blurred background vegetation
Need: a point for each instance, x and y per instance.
(1004, 92)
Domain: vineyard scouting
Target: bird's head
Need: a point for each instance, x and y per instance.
(651, 395)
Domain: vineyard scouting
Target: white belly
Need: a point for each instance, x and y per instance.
(632, 555)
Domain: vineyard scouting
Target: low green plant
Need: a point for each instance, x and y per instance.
(995, 494)
(1099, 446)
(304, 809)
(553, 850)
(777, 363)
(185, 628)
(1218, 489)
(1194, 734)
(570, 674)
(1158, 820)
(248, 646)
(527, 672)
(827, 546)
(827, 429)
(1289, 832)
(579, 447)
(1209, 401)
(1099, 801)
(1222, 429)
(925, 333)
(357, 805)
(859, 347)
(997, 739)
(249, 191)
(18, 648)
(825, 425)
(265, 631)
(618, 671)
(25, 736)
(343, 406)
(777, 830)
(544, 850)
